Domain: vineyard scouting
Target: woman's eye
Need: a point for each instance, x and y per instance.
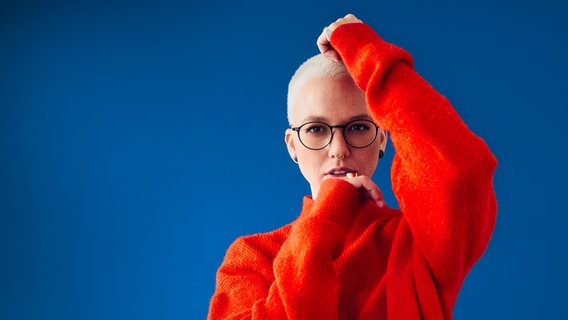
(358, 127)
(315, 129)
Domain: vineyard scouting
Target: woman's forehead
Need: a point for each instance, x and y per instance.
(329, 100)
(332, 110)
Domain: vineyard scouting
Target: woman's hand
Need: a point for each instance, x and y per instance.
(323, 40)
(367, 188)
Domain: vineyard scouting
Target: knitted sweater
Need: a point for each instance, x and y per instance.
(346, 258)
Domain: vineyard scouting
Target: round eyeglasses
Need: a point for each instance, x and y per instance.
(318, 135)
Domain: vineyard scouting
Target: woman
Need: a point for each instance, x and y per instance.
(348, 255)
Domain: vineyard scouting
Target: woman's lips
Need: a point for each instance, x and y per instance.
(340, 172)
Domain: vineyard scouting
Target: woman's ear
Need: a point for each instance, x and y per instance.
(290, 144)
(383, 138)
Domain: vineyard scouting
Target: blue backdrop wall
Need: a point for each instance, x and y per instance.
(138, 139)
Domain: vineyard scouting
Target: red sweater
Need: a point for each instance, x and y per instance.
(347, 259)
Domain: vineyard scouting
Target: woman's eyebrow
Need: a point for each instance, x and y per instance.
(324, 119)
(361, 117)
(314, 118)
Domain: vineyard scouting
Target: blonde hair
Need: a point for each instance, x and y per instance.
(316, 66)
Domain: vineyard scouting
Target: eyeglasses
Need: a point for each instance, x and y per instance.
(318, 135)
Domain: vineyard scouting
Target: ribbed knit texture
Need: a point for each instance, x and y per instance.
(347, 259)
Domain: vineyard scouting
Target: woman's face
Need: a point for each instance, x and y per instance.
(335, 102)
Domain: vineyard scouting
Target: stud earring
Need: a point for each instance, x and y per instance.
(295, 158)
(381, 154)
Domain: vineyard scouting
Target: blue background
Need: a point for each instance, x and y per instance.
(139, 139)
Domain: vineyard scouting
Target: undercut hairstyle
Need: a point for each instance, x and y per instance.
(314, 67)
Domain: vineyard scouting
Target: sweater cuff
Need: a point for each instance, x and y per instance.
(337, 201)
(364, 53)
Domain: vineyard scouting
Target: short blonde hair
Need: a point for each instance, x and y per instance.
(316, 66)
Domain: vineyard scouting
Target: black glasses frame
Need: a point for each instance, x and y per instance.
(342, 127)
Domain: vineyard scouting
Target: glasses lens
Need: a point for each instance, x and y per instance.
(315, 135)
(360, 133)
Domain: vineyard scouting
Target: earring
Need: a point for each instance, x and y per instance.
(381, 154)
(295, 158)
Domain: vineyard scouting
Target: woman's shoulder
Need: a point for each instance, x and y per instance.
(265, 243)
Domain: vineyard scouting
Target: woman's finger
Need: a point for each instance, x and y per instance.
(369, 189)
(323, 43)
(325, 47)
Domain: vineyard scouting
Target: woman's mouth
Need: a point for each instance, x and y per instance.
(341, 173)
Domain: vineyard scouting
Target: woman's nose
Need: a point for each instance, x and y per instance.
(338, 147)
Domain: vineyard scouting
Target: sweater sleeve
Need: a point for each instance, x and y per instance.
(272, 276)
(441, 173)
